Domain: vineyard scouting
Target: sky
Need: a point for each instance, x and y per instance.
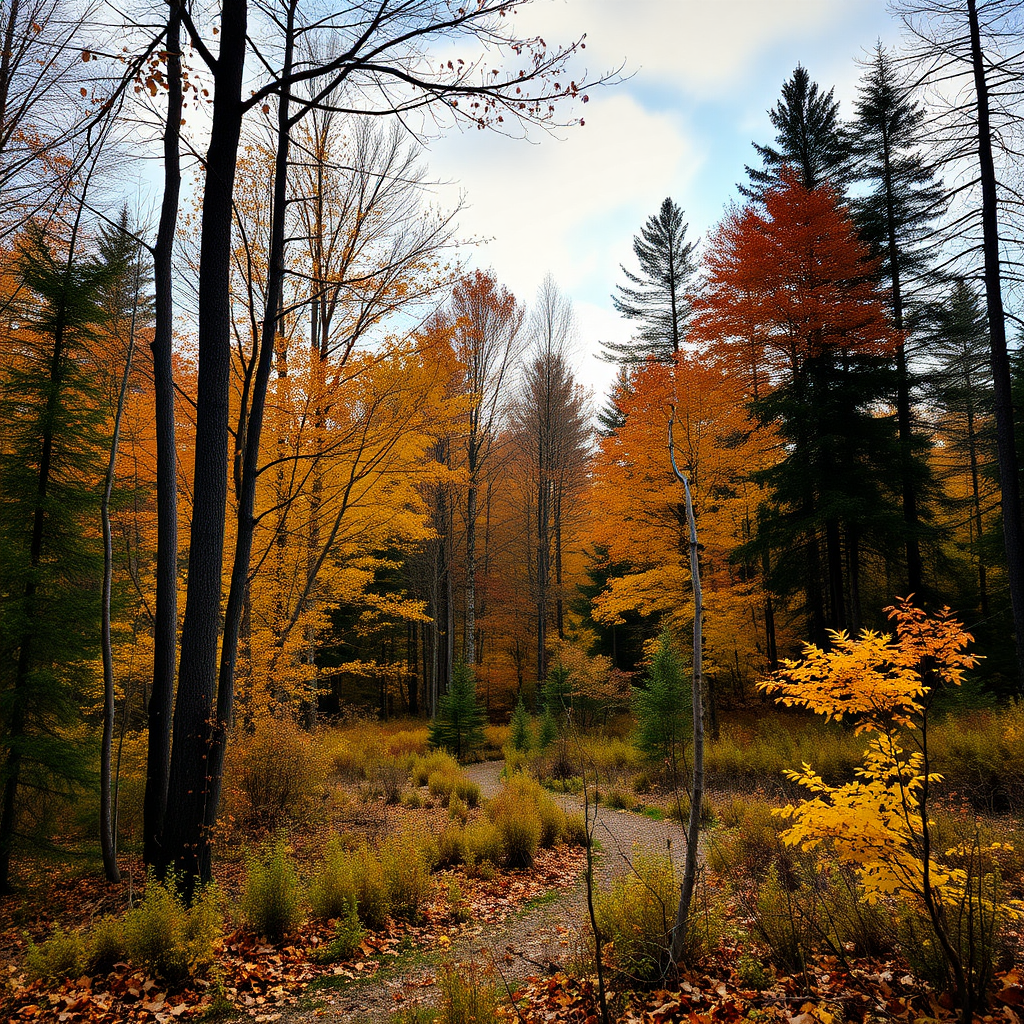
(698, 79)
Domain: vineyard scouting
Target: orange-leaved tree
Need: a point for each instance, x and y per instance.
(879, 823)
(791, 306)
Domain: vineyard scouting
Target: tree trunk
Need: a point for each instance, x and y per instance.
(679, 928)
(186, 843)
(108, 838)
(1008, 467)
(165, 618)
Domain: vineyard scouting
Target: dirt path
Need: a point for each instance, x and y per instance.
(538, 939)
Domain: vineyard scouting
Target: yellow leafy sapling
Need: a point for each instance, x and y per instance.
(878, 823)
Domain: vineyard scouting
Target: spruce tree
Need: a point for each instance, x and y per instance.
(664, 707)
(896, 218)
(458, 725)
(51, 455)
(810, 139)
(656, 298)
(519, 733)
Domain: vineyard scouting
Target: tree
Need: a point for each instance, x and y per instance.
(458, 724)
(656, 297)
(811, 140)
(662, 708)
(378, 66)
(964, 49)
(961, 388)
(880, 823)
(553, 434)
(487, 326)
(790, 292)
(897, 218)
(50, 564)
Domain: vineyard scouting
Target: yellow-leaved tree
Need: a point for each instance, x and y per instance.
(879, 823)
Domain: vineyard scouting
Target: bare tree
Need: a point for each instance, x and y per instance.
(553, 432)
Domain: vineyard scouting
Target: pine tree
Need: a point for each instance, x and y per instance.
(519, 732)
(810, 139)
(459, 722)
(896, 219)
(656, 298)
(664, 707)
(50, 562)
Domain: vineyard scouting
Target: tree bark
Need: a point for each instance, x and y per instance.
(679, 928)
(165, 619)
(186, 842)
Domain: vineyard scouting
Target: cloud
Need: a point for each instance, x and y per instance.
(568, 206)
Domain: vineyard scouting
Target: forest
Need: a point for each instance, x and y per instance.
(359, 662)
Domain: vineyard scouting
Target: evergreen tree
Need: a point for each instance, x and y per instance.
(458, 725)
(895, 217)
(960, 391)
(519, 732)
(664, 707)
(656, 297)
(50, 562)
(810, 139)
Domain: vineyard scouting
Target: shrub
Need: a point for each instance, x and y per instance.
(275, 771)
(348, 934)
(466, 789)
(407, 741)
(575, 830)
(520, 735)
(515, 761)
(371, 888)
(619, 799)
(271, 900)
(451, 846)
(458, 723)
(552, 821)
(333, 888)
(483, 842)
(779, 922)
(161, 935)
(441, 785)
(637, 914)
(458, 909)
(467, 996)
(516, 813)
(436, 761)
(388, 776)
(412, 799)
(62, 954)
(751, 839)
(405, 876)
(457, 810)
(106, 944)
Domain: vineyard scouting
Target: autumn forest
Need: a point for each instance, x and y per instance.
(339, 610)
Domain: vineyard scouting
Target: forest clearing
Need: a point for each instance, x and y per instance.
(365, 656)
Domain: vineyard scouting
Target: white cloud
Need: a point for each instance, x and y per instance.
(568, 206)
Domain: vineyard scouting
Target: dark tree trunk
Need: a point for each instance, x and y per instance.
(1008, 467)
(186, 843)
(165, 619)
(250, 456)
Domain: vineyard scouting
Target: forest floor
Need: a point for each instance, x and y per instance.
(542, 937)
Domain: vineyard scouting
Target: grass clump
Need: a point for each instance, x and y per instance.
(468, 996)
(576, 830)
(514, 811)
(165, 937)
(272, 898)
(636, 916)
(483, 841)
(62, 954)
(435, 761)
(406, 876)
(348, 935)
(333, 889)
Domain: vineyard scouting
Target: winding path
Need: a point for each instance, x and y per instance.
(538, 940)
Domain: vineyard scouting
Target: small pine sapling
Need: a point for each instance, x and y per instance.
(520, 734)
(459, 724)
